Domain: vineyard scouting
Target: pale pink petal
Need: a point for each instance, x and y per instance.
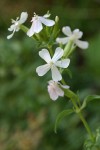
(63, 63)
(67, 31)
(23, 17)
(52, 92)
(59, 91)
(58, 54)
(44, 54)
(82, 44)
(56, 75)
(51, 82)
(43, 69)
(47, 22)
(62, 40)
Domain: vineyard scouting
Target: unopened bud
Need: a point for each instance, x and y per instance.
(56, 19)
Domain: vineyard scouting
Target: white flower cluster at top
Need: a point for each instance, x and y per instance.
(55, 88)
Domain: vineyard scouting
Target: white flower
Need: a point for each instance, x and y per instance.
(52, 63)
(55, 89)
(74, 36)
(37, 22)
(16, 24)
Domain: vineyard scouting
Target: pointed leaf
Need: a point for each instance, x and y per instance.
(61, 116)
(88, 99)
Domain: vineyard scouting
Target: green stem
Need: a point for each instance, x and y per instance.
(38, 37)
(50, 49)
(72, 49)
(67, 49)
(24, 28)
(73, 98)
(83, 119)
(86, 125)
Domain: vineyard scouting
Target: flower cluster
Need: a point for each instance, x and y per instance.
(56, 61)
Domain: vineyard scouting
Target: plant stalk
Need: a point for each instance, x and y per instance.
(73, 98)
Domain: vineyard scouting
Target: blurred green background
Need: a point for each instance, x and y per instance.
(27, 115)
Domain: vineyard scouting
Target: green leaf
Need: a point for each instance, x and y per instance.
(89, 99)
(61, 116)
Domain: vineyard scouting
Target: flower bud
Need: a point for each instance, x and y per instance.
(56, 19)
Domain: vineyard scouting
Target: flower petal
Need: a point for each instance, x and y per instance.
(52, 93)
(58, 54)
(44, 54)
(82, 44)
(17, 28)
(35, 28)
(12, 27)
(47, 15)
(59, 91)
(62, 40)
(67, 31)
(56, 76)
(54, 90)
(47, 22)
(31, 31)
(43, 69)
(77, 33)
(23, 17)
(63, 63)
(65, 86)
(11, 35)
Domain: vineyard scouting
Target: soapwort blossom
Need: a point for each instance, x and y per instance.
(55, 89)
(37, 22)
(74, 36)
(52, 63)
(15, 27)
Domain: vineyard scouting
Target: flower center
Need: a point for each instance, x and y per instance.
(51, 63)
(73, 38)
(16, 23)
(35, 16)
